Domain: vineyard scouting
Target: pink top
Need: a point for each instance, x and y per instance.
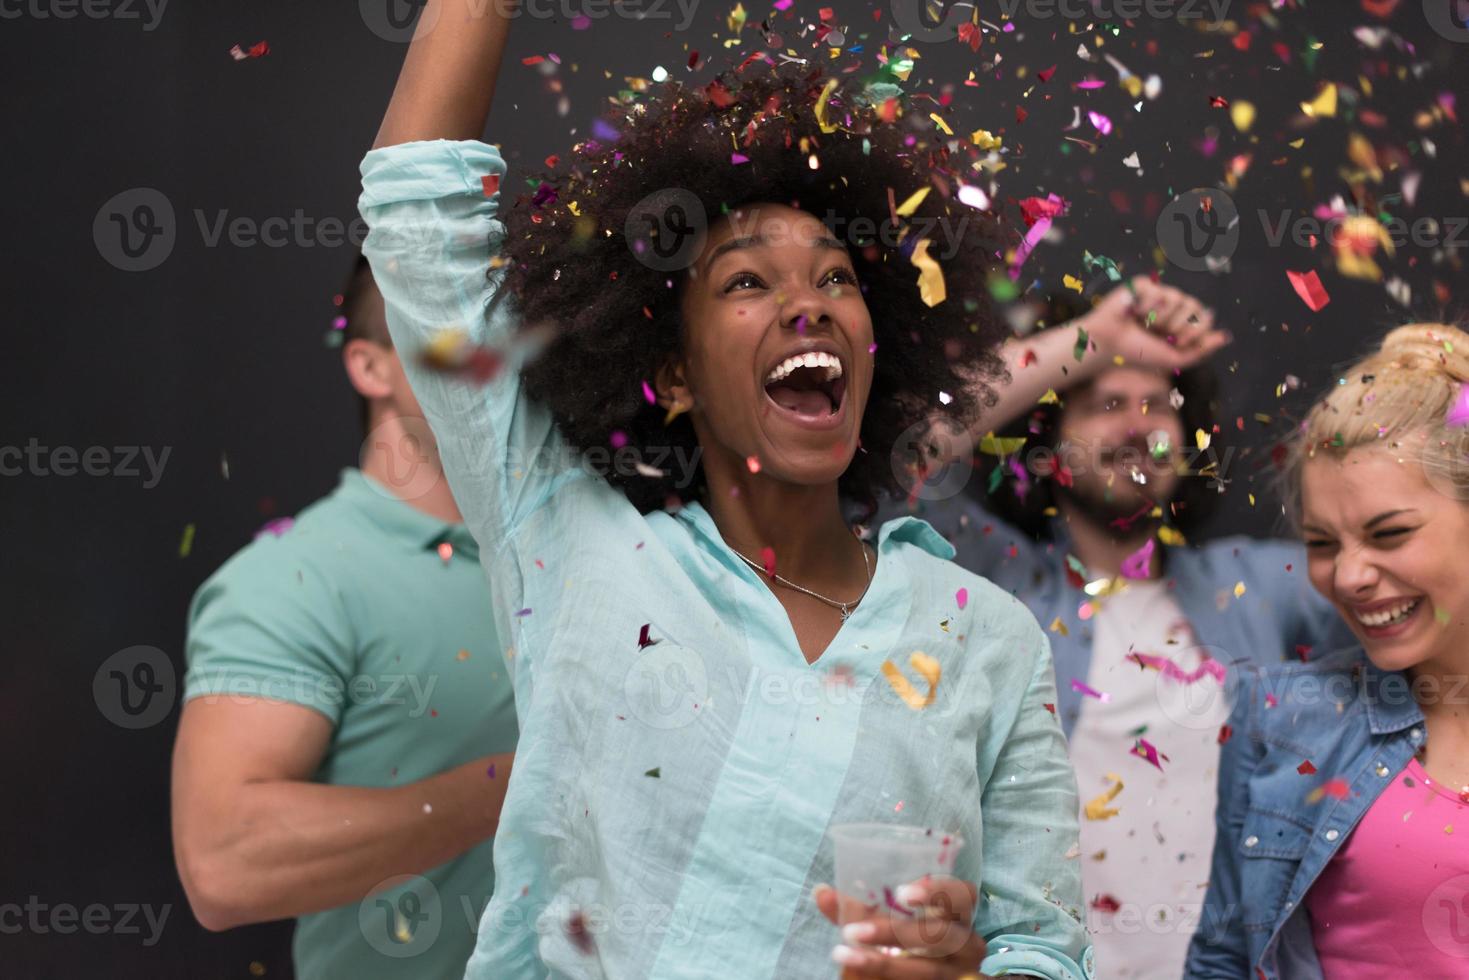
(1394, 900)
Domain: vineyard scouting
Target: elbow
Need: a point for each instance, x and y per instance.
(216, 890)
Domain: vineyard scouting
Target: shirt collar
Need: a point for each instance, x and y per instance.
(1391, 706)
(402, 520)
(900, 529)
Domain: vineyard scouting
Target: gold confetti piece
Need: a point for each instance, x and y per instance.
(826, 127)
(1097, 809)
(735, 20)
(1071, 282)
(1172, 537)
(1059, 627)
(926, 667)
(1049, 398)
(1243, 115)
(930, 277)
(996, 446)
(985, 140)
(911, 202)
(939, 121)
(1297, 144)
(1239, 589)
(1201, 439)
(1324, 105)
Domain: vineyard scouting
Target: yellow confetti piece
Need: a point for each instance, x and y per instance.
(1172, 537)
(931, 287)
(1243, 115)
(996, 446)
(1049, 398)
(939, 122)
(826, 127)
(927, 667)
(1097, 809)
(1239, 589)
(1324, 105)
(1059, 627)
(186, 544)
(735, 20)
(1071, 282)
(1297, 144)
(911, 202)
(985, 140)
(1201, 439)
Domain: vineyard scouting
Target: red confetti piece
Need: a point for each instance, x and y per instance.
(1107, 904)
(1306, 769)
(1308, 287)
(1337, 789)
(644, 640)
(1021, 115)
(446, 551)
(753, 463)
(259, 50)
(1045, 74)
(1226, 732)
(767, 561)
(534, 59)
(579, 934)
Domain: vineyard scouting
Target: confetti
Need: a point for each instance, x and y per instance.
(962, 598)
(1337, 789)
(1308, 287)
(645, 640)
(1209, 668)
(276, 527)
(767, 561)
(926, 667)
(931, 287)
(1458, 415)
(1096, 808)
(579, 935)
(490, 184)
(655, 773)
(1139, 564)
(257, 50)
(1306, 769)
(1059, 627)
(1148, 752)
(186, 544)
(1090, 692)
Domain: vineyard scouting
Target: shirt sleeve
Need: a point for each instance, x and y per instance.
(434, 246)
(1219, 949)
(1030, 896)
(270, 628)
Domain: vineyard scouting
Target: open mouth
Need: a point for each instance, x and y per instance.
(809, 385)
(1389, 617)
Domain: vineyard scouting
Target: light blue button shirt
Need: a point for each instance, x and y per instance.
(677, 795)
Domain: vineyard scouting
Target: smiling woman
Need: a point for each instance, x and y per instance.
(1357, 888)
(698, 298)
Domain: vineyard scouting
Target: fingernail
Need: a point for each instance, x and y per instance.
(910, 895)
(859, 932)
(846, 955)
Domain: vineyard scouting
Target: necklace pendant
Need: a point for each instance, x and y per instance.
(845, 613)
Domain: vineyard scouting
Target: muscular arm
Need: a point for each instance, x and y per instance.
(255, 840)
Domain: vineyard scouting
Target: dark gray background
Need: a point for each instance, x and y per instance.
(218, 351)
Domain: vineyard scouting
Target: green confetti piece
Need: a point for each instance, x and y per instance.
(186, 545)
(996, 475)
(655, 772)
(1081, 341)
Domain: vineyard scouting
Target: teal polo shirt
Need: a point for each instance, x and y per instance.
(357, 611)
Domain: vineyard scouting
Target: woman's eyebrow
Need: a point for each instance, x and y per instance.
(754, 241)
(1387, 514)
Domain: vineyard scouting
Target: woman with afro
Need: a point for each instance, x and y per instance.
(716, 334)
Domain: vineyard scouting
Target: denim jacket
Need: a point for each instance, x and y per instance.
(1353, 722)
(1277, 615)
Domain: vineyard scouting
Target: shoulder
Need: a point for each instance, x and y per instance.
(1266, 557)
(1294, 695)
(292, 553)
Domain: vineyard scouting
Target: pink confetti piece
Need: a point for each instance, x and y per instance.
(644, 640)
(1171, 670)
(522, 613)
(1090, 692)
(1459, 412)
(767, 561)
(1139, 564)
(962, 598)
(1148, 752)
(1308, 287)
(1101, 122)
(892, 903)
(276, 527)
(738, 158)
(648, 395)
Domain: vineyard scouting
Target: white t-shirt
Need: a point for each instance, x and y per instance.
(1145, 870)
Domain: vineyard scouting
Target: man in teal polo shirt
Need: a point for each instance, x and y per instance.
(349, 727)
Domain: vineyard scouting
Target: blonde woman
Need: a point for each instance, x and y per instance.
(1344, 787)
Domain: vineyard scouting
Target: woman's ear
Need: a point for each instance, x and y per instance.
(672, 388)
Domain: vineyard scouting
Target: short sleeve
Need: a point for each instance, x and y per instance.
(265, 626)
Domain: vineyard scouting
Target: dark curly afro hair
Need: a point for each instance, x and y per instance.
(616, 319)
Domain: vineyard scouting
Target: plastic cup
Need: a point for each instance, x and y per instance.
(874, 859)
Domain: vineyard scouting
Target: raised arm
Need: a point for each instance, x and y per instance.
(1144, 323)
(447, 83)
